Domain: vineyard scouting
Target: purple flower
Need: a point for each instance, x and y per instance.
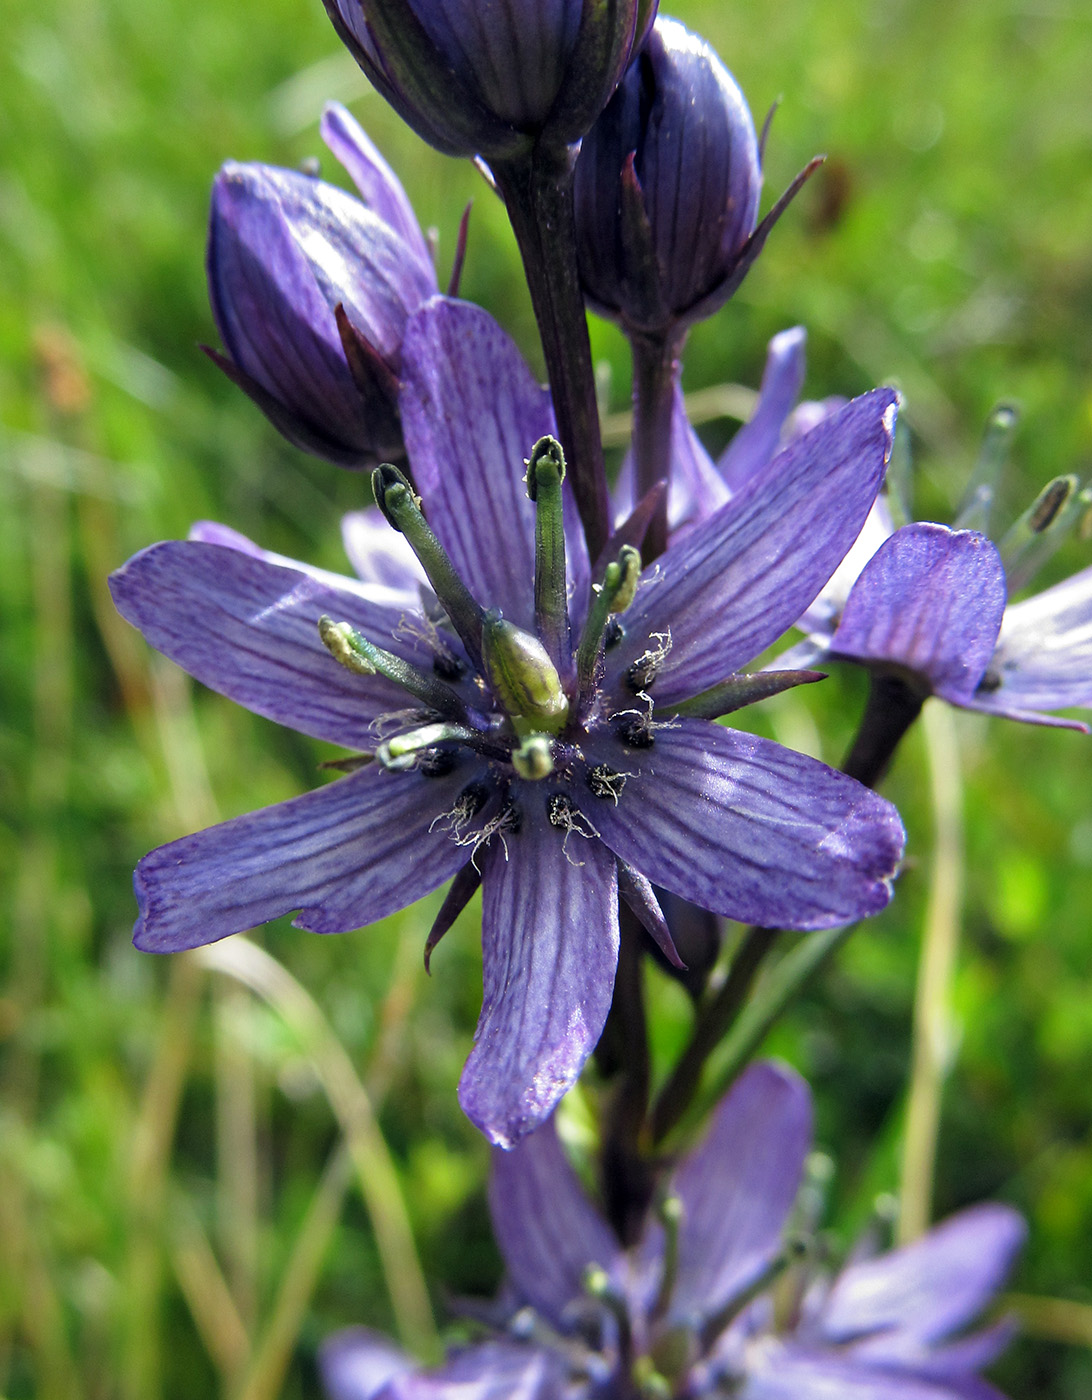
(667, 188)
(529, 734)
(928, 604)
(492, 80)
(311, 290)
(689, 1310)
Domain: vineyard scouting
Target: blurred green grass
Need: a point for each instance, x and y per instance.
(154, 1119)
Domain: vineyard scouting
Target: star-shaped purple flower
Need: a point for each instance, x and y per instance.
(690, 1309)
(529, 733)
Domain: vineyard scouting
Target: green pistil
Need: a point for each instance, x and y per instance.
(613, 595)
(545, 473)
(977, 505)
(523, 677)
(356, 653)
(402, 510)
(1030, 542)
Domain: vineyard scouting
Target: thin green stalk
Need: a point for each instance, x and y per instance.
(208, 1296)
(236, 1150)
(376, 1172)
(933, 1030)
(1055, 1319)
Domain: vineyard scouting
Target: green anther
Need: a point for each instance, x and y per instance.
(534, 759)
(523, 677)
(739, 690)
(648, 1382)
(976, 506)
(356, 653)
(545, 473)
(1040, 530)
(402, 510)
(402, 750)
(613, 595)
(599, 1285)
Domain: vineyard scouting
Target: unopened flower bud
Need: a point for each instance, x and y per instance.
(667, 187)
(311, 291)
(492, 81)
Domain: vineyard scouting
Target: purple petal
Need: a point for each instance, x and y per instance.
(249, 629)
(343, 855)
(489, 1371)
(791, 1375)
(382, 557)
(931, 1288)
(550, 949)
(695, 487)
(954, 1361)
(379, 186)
(547, 1229)
(356, 1364)
(738, 1186)
(471, 412)
(1043, 659)
(745, 574)
(747, 828)
(930, 600)
(758, 439)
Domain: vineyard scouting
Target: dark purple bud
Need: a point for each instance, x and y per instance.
(492, 80)
(311, 292)
(667, 189)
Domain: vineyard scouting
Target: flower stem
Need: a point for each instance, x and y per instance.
(892, 708)
(538, 193)
(933, 1039)
(656, 370)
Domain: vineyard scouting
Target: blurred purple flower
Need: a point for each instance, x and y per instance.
(667, 189)
(689, 1310)
(494, 80)
(557, 774)
(311, 290)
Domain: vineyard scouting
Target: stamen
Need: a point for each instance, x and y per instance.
(647, 666)
(545, 473)
(670, 1212)
(402, 510)
(1031, 541)
(793, 1252)
(739, 690)
(402, 751)
(605, 781)
(356, 653)
(613, 595)
(976, 506)
(466, 807)
(599, 1285)
(523, 677)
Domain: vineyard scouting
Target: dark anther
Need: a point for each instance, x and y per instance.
(1050, 502)
(613, 633)
(471, 800)
(605, 781)
(511, 819)
(560, 811)
(437, 763)
(447, 665)
(990, 681)
(643, 672)
(635, 730)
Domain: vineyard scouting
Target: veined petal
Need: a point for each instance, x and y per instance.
(382, 558)
(488, 1371)
(737, 1188)
(380, 188)
(343, 855)
(793, 1375)
(741, 577)
(932, 1287)
(471, 412)
(547, 1229)
(930, 600)
(757, 440)
(1043, 659)
(249, 629)
(747, 828)
(356, 1364)
(550, 950)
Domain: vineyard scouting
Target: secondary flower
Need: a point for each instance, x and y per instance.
(530, 734)
(690, 1309)
(311, 290)
(492, 81)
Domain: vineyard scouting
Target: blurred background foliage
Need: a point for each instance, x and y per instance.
(178, 1210)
